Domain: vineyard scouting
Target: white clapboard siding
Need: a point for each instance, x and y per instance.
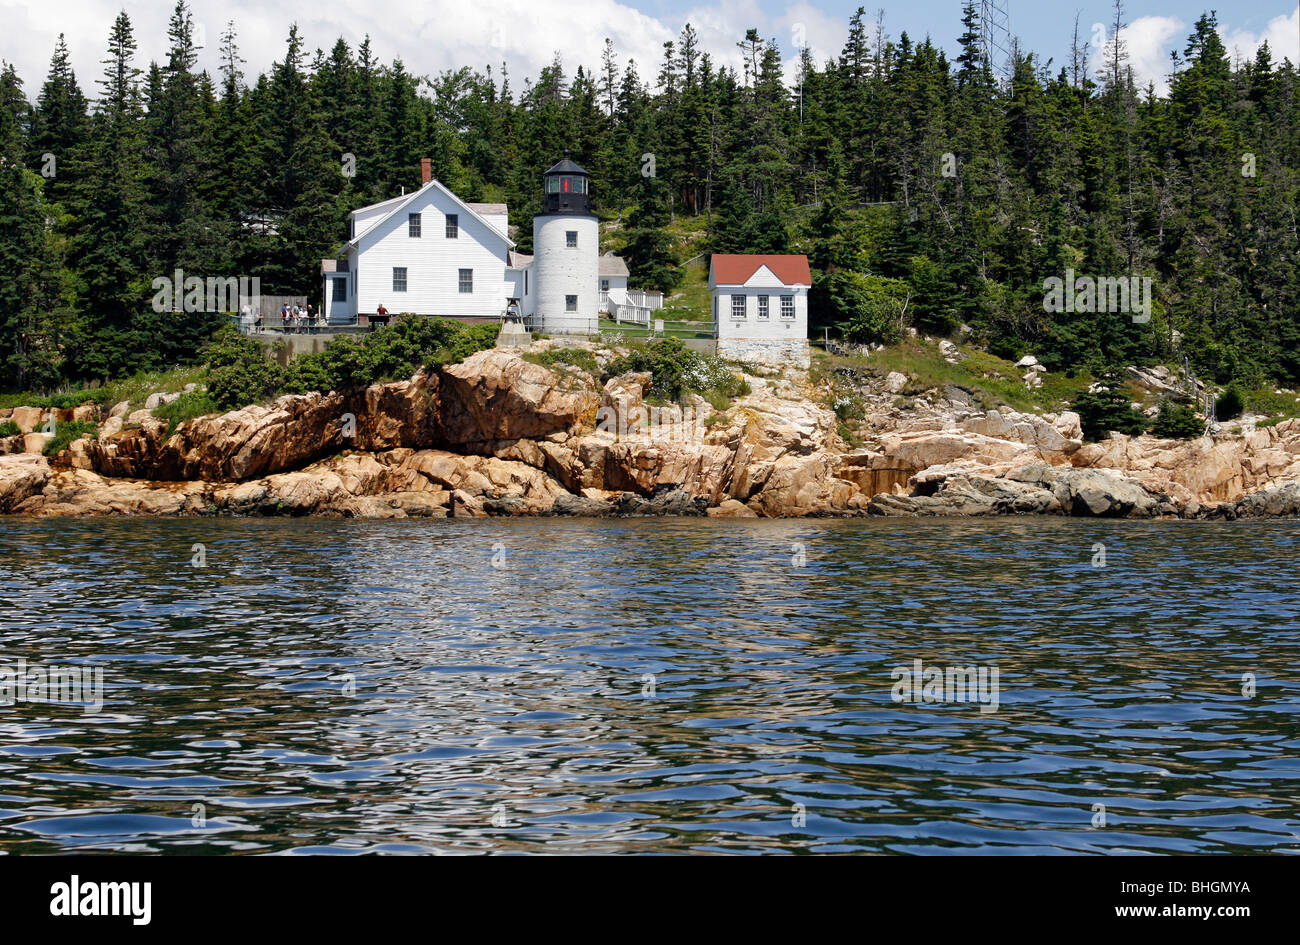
(432, 261)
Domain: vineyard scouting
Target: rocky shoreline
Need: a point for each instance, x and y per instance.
(498, 434)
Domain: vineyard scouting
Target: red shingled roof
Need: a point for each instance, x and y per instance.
(736, 270)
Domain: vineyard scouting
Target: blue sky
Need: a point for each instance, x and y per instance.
(431, 36)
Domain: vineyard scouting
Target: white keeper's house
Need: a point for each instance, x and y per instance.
(431, 253)
(760, 307)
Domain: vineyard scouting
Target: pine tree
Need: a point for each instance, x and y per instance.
(59, 126)
(108, 244)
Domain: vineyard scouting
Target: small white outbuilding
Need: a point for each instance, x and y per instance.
(760, 307)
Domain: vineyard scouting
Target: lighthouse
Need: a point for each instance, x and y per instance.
(566, 252)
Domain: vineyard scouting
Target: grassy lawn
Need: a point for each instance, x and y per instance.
(674, 329)
(692, 300)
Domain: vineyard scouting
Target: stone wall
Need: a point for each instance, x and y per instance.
(766, 351)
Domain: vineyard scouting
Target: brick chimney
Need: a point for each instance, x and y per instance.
(426, 171)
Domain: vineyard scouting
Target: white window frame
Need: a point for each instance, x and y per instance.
(402, 270)
(462, 279)
(452, 229)
(414, 226)
(787, 306)
(570, 303)
(570, 239)
(743, 315)
(762, 308)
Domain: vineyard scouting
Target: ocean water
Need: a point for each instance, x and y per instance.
(650, 686)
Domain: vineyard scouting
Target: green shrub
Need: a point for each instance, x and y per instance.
(1230, 404)
(392, 352)
(196, 403)
(849, 407)
(65, 433)
(676, 370)
(239, 372)
(666, 360)
(1107, 409)
(1177, 421)
(9, 428)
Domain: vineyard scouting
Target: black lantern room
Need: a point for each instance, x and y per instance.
(565, 189)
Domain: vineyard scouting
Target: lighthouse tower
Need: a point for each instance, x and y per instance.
(566, 253)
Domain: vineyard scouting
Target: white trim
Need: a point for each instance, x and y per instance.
(409, 198)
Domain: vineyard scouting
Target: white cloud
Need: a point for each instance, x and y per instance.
(1282, 33)
(1149, 40)
(427, 37)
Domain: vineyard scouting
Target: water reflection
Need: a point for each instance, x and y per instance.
(326, 686)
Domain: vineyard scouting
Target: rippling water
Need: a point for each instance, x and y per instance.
(650, 686)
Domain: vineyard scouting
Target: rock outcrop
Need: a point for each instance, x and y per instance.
(499, 435)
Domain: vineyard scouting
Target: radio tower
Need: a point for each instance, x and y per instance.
(995, 36)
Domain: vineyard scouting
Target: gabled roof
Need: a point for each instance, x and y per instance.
(403, 203)
(611, 265)
(729, 269)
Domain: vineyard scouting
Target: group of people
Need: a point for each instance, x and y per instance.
(299, 318)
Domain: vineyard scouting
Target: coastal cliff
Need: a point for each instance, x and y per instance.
(497, 434)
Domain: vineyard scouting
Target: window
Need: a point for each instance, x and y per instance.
(787, 306)
(762, 306)
(737, 306)
(566, 185)
(467, 280)
(570, 303)
(571, 239)
(399, 278)
(340, 289)
(413, 225)
(525, 282)
(453, 226)
(604, 285)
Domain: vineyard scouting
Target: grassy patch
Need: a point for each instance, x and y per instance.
(680, 329)
(580, 358)
(9, 428)
(134, 389)
(1277, 407)
(65, 433)
(995, 381)
(692, 300)
(196, 403)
